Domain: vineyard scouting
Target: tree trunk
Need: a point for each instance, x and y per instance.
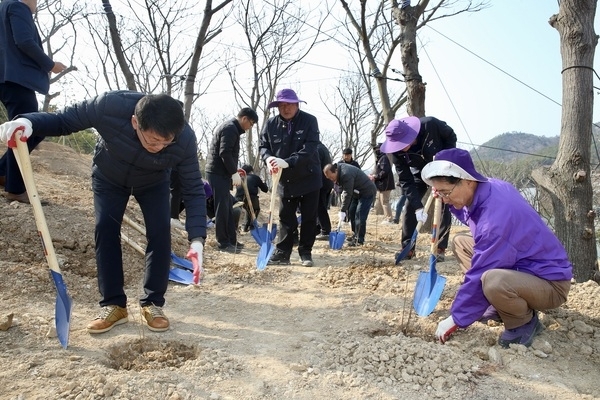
(118, 46)
(568, 180)
(415, 88)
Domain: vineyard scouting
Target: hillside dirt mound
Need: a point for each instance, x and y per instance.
(343, 329)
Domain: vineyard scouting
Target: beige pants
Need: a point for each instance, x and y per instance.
(514, 294)
(383, 199)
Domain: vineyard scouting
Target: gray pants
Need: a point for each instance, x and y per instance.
(514, 294)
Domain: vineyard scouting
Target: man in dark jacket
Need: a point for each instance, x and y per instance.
(222, 172)
(324, 227)
(351, 214)
(254, 184)
(413, 142)
(141, 137)
(383, 177)
(354, 184)
(289, 142)
(24, 70)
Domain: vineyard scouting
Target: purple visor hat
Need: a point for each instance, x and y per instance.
(400, 133)
(285, 96)
(452, 162)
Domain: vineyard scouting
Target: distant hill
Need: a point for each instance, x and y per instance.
(513, 146)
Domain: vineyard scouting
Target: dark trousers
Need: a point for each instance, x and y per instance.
(352, 214)
(288, 223)
(410, 220)
(255, 208)
(18, 100)
(177, 205)
(323, 209)
(110, 202)
(225, 224)
(363, 206)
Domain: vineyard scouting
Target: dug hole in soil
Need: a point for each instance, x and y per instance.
(343, 329)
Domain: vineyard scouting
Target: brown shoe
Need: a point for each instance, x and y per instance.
(2, 180)
(22, 198)
(109, 317)
(155, 318)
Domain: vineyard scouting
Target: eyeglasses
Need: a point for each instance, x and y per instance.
(446, 195)
(155, 144)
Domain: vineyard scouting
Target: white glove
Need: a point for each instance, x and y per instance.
(445, 329)
(274, 163)
(236, 179)
(342, 216)
(421, 215)
(8, 130)
(196, 248)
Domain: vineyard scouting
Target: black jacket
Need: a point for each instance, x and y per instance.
(435, 135)
(119, 156)
(224, 151)
(294, 141)
(254, 183)
(383, 175)
(324, 158)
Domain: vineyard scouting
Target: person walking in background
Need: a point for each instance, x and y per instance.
(413, 142)
(24, 70)
(347, 158)
(324, 223)
(289, 142)
(222, 171)
(514, 264)
(254, 184)
(354, 184)
(140, 139)
(383, 177)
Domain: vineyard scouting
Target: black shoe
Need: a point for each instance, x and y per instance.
(306, 260)
(355, 243)
(322, 236)
(409, 255)
(351, 238)
(279, 258)
(230, 249)
(239, 245)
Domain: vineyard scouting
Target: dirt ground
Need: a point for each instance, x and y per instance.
(343, 329)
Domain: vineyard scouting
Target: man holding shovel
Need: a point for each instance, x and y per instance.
(514, 264)
(140, 138)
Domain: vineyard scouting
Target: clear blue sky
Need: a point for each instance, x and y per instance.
(476, 99)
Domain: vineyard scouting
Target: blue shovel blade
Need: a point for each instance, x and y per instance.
(336, 240)
(181, 276)
(181, 262)
(62, 309)
(264, 255)
(428, 290)
(402, 255)
(258, 234)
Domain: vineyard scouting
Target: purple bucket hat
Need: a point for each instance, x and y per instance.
(285, 96)
(452, 162)
(400, 133)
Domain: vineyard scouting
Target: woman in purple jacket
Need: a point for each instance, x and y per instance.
(514, 264)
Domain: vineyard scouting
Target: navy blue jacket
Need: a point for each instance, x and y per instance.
(383, 175)
(435, 135)
(120, 157)
(296, 142)
(224, 149)
(22, 58)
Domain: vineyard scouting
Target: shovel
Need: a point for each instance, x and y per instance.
(429, 284)
(259, 234)
(337, 238)
(183, 276)
(266, 247)
(402, 255)
(62, 309)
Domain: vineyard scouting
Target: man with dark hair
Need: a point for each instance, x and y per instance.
(354, 184)
(24, 70)
(289, 142)
(222, 172)
(254, 184)
(351, 214)
(347, 158)
(140, 138)
(413, 142)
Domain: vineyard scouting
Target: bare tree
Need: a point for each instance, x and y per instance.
(59, 37)
(411, 19)
(568, 179)
(277, 37)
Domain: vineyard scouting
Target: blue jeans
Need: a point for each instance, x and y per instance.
(399, 207)
(363, 206)
(110, 202)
